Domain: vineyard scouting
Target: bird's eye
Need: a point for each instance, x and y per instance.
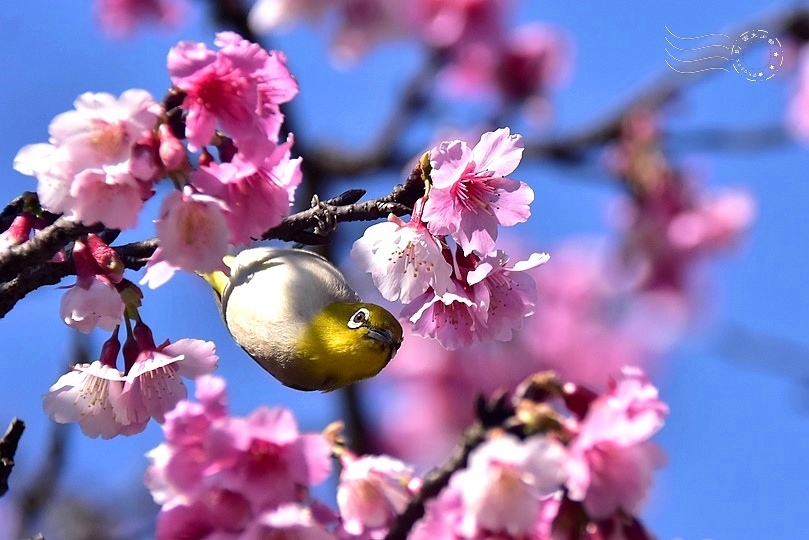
(359, 318)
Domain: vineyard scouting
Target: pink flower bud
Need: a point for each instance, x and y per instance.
(111, 265)
(172, 152)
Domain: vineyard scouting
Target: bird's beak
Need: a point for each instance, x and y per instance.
(384, 335)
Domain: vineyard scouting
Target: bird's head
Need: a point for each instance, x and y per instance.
(349, 341)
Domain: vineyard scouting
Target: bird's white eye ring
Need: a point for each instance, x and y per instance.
(359, 318)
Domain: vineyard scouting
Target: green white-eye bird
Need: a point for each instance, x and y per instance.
(293, 312)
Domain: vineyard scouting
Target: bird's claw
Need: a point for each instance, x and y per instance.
(326, 219)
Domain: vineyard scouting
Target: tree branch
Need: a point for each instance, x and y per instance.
(435, 481)
(8, 447)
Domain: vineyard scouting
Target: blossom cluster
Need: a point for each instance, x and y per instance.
(105, 157)
(479, 53)
(102, 163)
(469, 292)
(669, 222)
(251, 477)
(106, 401)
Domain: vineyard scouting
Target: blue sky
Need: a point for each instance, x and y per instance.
(738, 432)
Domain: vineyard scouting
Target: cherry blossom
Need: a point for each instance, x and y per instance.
(237, 88)
(120, 17)
(153, 385)
(404, 259)
(373, 490)
(511, 293)
(219, 473)
(90, 169)
(502, 493)
(470, 194)
(193, 236)
(611, 460)
(257, 196)
(87, 393)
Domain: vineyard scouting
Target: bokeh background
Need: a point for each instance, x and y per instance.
(738, 431)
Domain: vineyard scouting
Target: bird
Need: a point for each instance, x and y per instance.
(294, 313)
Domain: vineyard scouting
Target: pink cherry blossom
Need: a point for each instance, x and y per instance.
(92, 303)
(611, 460)
(51, 168)
(448, 318)
(237, 88)
(470, 194)
(246, 477)
(193, 235)
(272, 460)
(86, 395)
(88, 170)
(287, 522)
(511, 294)
(268, 15)
(508, 491)
(110, 196)
(404, 259)
(153, 384)
(120, 17)
(257, 196)
(505, 481)
(373, 490)
(102, 129)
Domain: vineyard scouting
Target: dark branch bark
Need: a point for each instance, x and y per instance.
(435, 481)
(8, 448)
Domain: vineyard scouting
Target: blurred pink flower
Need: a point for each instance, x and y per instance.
(534, 58)
(235, 88)
(505, 481)
(470, 194)
(269, 15)
(373, 490)
(453, 23)
(611, 460)
(287, 522)
(506, 492)
(120, 17)
(797, 118)
(404, 259)
(193, 235)
(363, 23)
(257, 196)
(224, 474)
